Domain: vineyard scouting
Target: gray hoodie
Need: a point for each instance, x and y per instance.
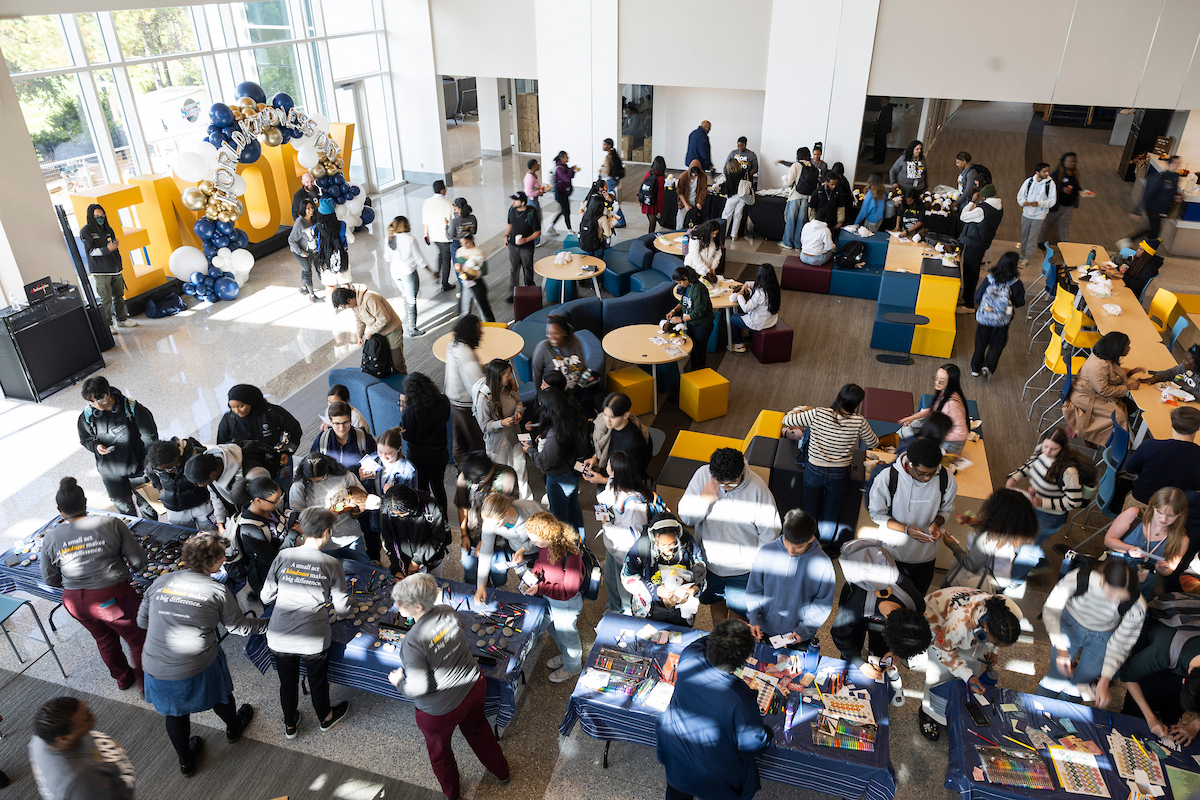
(228, 491)
(740, 521)
(439, 670)
(463, 371)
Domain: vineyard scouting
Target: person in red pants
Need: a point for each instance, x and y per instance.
(441, 676)
(89, 558)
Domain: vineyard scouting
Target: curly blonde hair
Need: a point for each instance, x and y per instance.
(563, 539)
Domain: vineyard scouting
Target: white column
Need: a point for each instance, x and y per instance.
(417, 88)
(578, 95)
(823, 102)
(31, 240)
(494, 124)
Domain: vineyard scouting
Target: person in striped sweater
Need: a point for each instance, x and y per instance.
(1055, 487)
(834, 434)
(1094, 615)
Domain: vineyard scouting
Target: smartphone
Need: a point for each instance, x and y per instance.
(976, 712)
(580, 467)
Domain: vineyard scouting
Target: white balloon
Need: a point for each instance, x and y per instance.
(190, 166)
(221, 262)
(239, 185)
(186, 260)
(241, 261)
(206, 150)
(307, 156)
(349, 235)
(341, 212)
(224, 252)
(356, 203)
(322, 122)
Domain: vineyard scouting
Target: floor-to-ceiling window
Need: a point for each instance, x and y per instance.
(107, 95)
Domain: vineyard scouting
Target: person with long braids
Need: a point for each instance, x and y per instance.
(331, 258)
(498, 410)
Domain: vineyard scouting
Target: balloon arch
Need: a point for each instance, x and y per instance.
(237, 134)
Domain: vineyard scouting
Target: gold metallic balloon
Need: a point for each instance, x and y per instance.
(271, 137)
(246, 102)
(261, 106)
(211, 213)
(207, 186)
(340, 163)
(194, 199)
(318, 171)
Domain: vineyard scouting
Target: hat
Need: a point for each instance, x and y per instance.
(461, 202)
(1151, 245)
(325, 206)
(519, 196)
(988, 191)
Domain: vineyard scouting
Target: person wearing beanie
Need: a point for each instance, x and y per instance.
(251, 418)
(436, 213)
(103, 254)
(980, 217)
(1143, 267)
(331, 258)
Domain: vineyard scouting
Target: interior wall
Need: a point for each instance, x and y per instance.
(679, 109)
(483, 37)
(696, 43)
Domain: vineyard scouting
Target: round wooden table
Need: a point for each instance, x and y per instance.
(722, 299)
(670, 243)
(570, 272)
(632, 345)
(495, 343)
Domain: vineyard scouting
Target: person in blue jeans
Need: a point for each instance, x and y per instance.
(478, 479)
(562, 442)
(802, 177)
(1056, 478)
(1153, 540)
(833, 434)
(1093, 618)
(611, 172)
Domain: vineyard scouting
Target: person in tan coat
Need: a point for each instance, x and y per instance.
(1100, 390)
(373, 314)
(691, 188)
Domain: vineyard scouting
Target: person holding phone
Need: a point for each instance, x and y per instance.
(556, 574)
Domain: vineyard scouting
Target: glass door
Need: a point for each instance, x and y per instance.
(373, 161)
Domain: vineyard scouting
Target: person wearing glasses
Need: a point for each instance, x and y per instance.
(910, 501)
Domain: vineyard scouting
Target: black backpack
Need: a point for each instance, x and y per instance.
(618, 170)
(258, 454)
(648, 192)
(377, 356)
(806, 183)
(1085, 566)
(589, 228)
(851, 256)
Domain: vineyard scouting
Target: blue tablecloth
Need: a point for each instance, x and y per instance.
(29, 578)
(798, 761)
(1089, 723)
(355, 661)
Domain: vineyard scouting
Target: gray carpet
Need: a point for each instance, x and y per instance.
(247, 770)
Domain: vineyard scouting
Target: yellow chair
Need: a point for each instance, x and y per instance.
(1164, 310)
(494, 324)
(937, 293)
(635, 383)
(1055, 364)
(936, 337)
(1075, 335)
(703, 394)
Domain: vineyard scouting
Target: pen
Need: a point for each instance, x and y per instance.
(989, 741)
(1014, 741)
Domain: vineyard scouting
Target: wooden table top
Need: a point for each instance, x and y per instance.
(906, 256)
(976, 480)
(632, 345)
(568, 272)
(670, 243)
(720, 295)
(1146, 348)
(495, 343)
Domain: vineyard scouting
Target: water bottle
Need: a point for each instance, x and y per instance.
(684, 243)
(788, 718)
(989, 677)
(893, 679)
(812, 659)
(1091, 256)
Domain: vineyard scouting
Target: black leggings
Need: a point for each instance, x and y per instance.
(431, 476)
(652, 218)
(179, 729)
(478, 293)
(564, 207)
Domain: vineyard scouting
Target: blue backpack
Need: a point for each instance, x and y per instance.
(996, 309)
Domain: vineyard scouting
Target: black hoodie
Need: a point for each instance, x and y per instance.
(175, 491)
(128, 427)
(422, 538)
(266, 422)
(100, 260)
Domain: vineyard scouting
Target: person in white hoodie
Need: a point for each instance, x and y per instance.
(498, 410)
(733, 514)
(758, 301)
(463, 371)
(625, 501)
(1036, 197)
(403, 256)
(220, 468)
(816, 242)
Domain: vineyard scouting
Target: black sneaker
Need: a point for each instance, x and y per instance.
(290, 731)
(417, 333)
(316, 298)
(195, 745)
(509, 299)
(303, 290)
(339, 711)
(930, 728)
(244, 715)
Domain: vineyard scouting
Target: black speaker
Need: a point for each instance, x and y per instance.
(47, 347)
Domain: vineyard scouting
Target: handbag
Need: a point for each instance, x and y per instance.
(592, 573)
(746, 191)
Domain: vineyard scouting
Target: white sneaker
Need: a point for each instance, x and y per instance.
(550, 231)
(563, 675)
(785, 247)
(1023, 263)
(113, 330)
(126, 323)
(554, 663)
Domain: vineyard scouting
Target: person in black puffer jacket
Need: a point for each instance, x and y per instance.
(251, 418)
(118, 431)
(415, 534)
(187, 504)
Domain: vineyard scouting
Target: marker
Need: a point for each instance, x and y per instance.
(1014, 741)
(989, 741)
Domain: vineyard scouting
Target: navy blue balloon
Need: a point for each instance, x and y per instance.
(282, 100)
(355, 191)
(209, 249)
(227, 288)
(338, 178)
(212, 128)
(220, 114)
(227, 274)
(241, 239)
(204, 228)
(250, 152)
(219, 241)
(214, 273)
(252, 90)
(189, 289)
(224, 227)
(368, 215)
(197, 277)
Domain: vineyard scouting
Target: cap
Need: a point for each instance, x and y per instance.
(325, 206)
(519, 196)
(988, 191)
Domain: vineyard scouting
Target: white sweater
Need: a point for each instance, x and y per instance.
(815, 238)
(463, 370)
(755, 312)
(1041, 192)
(735, 526)
(405, 258)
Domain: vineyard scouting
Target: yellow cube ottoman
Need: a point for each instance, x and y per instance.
(637, 384)
(703, 394)
(936, 338)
